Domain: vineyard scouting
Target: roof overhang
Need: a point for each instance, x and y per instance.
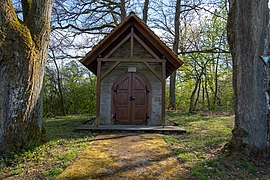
(141, 30)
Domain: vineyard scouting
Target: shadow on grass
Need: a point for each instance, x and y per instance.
(222, 166)
(65, 127)
(200, 149)
(60, 147)
(131, 167)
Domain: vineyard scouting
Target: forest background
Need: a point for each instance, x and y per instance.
(195, 30)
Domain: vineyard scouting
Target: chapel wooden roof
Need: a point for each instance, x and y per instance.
(141, 30)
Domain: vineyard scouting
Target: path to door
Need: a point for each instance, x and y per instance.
(126, 156)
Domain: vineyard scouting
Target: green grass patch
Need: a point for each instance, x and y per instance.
(199, 150)
(50, 159)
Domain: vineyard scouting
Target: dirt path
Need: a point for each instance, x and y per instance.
(126, 156)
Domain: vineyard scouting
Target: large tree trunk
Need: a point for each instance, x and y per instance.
(145, 10)
(23, 51)
(247, 35)
(175, 49)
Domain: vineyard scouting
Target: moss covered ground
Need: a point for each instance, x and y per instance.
(125, 156)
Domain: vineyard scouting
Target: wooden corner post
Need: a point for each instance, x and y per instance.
(98, 93)
(163, 91)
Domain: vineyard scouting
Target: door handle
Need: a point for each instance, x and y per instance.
(132, 98)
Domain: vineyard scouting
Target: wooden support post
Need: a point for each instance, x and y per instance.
(98, 93)
(132, 43)
(133, 60)
(117, 46)
(163, 92)
(146, 47)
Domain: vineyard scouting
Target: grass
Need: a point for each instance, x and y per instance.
(200, 149)
(50, 159)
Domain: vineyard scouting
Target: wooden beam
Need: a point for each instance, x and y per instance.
(139, 60)
(146, 47)
(118, 46)
(98, 94)
(155, 40)
(105, 43)
(163, 92)
(110, 69)
(153, 71)
(132, 43)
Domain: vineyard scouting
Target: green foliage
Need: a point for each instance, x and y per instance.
(208, 67)
(78, 90)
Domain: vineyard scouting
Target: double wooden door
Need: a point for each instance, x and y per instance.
(130, 95)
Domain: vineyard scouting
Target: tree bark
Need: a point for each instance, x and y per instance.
(247, 36)
(175, 49)
(23, 51)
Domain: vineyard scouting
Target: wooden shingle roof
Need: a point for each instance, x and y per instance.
(141, 30)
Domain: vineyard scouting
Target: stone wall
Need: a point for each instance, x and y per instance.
(156, 92)
(139, 51)
(109, 80)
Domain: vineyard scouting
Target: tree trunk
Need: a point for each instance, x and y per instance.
(203, 95)
(198, 95)
(192, 97)
(175, 49)
(59, 85)
(216, 83)
(145, 10)
(123, 9)
(206, 92)
(23, 51)
(247, 36)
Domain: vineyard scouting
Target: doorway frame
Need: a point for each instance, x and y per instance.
(148, 87)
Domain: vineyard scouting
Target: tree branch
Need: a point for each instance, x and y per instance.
(39, 24)
(84, 29)
(7, 12)
(214, 50)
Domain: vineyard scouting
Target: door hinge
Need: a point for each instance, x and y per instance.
(115, 90)
(146, 119)
(147, 91)
(114, 117)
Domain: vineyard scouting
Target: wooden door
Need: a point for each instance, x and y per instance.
(131, 95)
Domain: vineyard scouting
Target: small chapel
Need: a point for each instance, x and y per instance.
(131, 64)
